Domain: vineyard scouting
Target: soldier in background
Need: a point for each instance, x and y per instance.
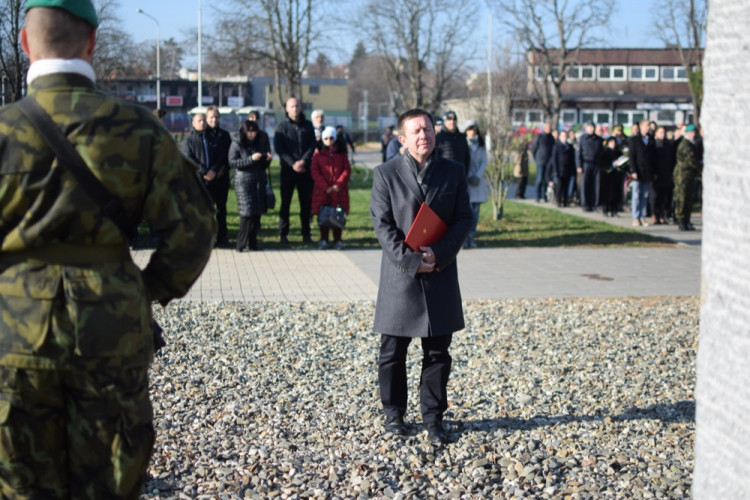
(685, 172)
(76, 329)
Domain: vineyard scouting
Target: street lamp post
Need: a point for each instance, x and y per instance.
(158, 57)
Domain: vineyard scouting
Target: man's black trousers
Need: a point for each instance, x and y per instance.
(436, 367)
(304, 185)
(219, 191)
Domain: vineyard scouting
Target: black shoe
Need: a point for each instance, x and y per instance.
(283, 239)
(690, 227)
(396, 426)
(307, 240)
(436, 433)
(683, 227)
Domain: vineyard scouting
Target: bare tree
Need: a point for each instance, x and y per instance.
(115, 54)
(553, 32)
(418, 41)
(491, 102)
(277, 34)
(682, 25)
(13, 61)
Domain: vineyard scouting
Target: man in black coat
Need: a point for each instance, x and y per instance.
(219, 187)
(294, 142)
(451, 143)
(418, 295)
(661, 180)
(590, 149)
(541, 149)
(204, 148)
(641, 160)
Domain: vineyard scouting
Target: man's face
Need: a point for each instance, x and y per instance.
(547, 127)
(292, 108)
(660, 133)
(589, 129)
(563, 137)
(317, 120)
(418, 136)
(212, 119)
(450, 123)
(199, 122)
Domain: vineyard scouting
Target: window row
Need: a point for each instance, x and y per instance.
(570, 117)
(620, 73)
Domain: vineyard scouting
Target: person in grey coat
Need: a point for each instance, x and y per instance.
(418, 295)
(250, 157)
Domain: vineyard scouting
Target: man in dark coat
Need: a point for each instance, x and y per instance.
(641, 162)
(204, 148)
(219, 187)
(294, 142)
(661, 181)
(589, 150)
(563, 167)
(418, 294)
(541, 149)
(451, 143)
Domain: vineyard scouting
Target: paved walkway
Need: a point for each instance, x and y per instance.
(331, 275)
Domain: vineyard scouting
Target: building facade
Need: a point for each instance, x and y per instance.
(615, 86)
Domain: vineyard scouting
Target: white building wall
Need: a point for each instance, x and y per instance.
(723, 389)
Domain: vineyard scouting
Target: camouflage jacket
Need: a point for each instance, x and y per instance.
(69, 291)
(687, 166)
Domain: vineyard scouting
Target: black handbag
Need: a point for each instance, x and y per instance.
(330, 216)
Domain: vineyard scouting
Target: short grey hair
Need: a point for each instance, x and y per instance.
(317, 112)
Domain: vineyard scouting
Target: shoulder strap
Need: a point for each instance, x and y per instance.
(111, 206)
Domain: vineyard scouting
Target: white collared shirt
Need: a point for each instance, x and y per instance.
(50, 66)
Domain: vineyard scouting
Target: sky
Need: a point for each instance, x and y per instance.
(631, 23)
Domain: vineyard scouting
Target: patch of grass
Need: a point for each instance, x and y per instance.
(522, 225)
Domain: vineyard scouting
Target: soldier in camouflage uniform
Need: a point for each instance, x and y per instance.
(76, 334)
(685, 172)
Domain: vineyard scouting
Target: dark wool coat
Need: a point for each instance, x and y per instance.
(329, 168)
(542, 147)
(642, 157)
(294, 141)
(453, 145)
(563, 161)
(250, 177)
(411, 304)
(665, 157)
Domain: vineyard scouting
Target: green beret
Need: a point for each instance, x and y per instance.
(690, 128)
(83, 9)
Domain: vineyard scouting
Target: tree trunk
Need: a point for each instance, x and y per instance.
(722, 455)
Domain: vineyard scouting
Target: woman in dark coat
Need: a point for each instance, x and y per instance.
(250, 157)
(611, 179)
(563, 167)
(330, 172)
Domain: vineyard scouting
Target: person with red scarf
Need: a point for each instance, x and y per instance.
(330, 172)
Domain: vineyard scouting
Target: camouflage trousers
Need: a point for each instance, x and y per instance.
(74, 433)
(684, 192)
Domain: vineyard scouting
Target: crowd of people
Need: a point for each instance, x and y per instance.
(313, 160)
(657, 168)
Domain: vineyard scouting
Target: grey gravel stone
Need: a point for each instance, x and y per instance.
(548, 398)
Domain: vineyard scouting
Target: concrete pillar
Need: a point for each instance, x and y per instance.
(722, 449)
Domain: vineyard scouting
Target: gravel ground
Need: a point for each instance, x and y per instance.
(579, 398)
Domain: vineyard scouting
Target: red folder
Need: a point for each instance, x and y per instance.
(426, 229)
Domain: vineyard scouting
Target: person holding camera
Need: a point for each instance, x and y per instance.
(477, 184)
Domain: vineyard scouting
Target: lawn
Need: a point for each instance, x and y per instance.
(521, 226)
